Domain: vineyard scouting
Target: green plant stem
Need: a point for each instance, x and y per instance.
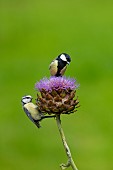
(70, 161)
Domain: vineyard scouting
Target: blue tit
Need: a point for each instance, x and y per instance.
(58, 66)
(32, 111)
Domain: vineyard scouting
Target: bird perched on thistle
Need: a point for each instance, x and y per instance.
(58, 66)
(32, 111)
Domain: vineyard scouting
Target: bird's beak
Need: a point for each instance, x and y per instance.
(68, 62)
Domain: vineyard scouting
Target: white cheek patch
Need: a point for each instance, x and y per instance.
(63, 57)
(26, 100)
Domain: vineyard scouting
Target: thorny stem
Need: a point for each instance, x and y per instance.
(70, 161)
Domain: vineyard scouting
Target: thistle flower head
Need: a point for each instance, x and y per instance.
(57, 95)
(56, 83)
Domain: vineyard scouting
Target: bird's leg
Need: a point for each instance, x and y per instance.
(44, 117)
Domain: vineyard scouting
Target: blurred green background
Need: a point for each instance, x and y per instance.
(32, 34)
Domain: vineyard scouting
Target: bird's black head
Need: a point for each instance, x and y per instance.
(65, 57)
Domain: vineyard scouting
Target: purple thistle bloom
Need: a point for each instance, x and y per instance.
(57, 95)
(56, 83)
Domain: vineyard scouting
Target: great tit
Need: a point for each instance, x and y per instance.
(32, 111)
(58, 66)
